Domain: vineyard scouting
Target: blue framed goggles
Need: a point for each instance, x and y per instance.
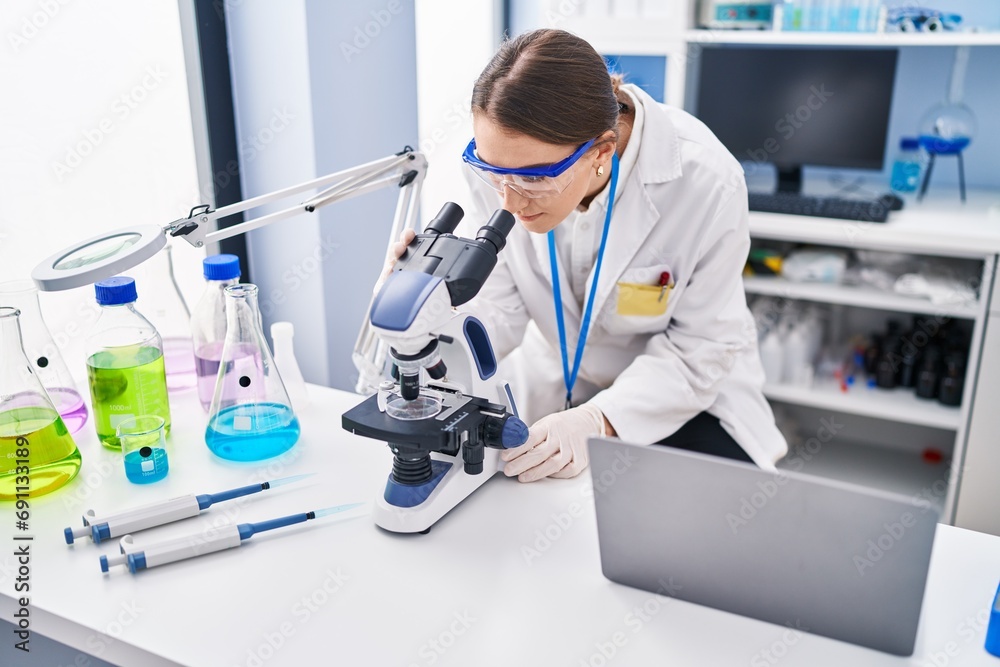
(531, 182)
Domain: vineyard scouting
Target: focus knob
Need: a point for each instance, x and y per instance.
(514, 433)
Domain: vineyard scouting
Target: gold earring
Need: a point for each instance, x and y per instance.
(600, 170)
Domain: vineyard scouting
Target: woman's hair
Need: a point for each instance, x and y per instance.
(550, 85)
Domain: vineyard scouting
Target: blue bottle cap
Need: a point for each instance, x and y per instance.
(909, 143)
(115, 291)
(221, 267)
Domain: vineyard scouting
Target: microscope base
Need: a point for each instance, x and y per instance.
(452, 489)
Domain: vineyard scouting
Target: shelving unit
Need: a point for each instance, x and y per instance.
(901, 404)
(970, 234)
(864, 297)
(862, 463)
(935, 228)
(794, 38)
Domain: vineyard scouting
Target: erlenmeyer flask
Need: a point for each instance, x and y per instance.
(251, 417)
(43, 354)
(169, 313)
(37, 452)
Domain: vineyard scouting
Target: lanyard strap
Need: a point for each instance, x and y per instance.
(569, 378)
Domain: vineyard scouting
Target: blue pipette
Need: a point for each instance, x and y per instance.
(198, 544)
(104, 527)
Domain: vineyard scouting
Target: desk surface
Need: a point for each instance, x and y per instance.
(512, 576)
(939, 225)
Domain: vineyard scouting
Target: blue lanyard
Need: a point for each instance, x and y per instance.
(570, 378)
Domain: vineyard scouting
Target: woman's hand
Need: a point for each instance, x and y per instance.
(556, 446)
(395, 252)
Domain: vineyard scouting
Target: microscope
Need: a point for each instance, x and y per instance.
(445, 413)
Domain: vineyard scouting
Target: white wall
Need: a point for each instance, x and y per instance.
(345, 74)
(96, 135)
(444, 89)
(272, 98)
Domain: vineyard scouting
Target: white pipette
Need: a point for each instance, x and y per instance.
(198, 544)
(162, 512)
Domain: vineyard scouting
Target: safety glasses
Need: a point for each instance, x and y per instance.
(531, 182)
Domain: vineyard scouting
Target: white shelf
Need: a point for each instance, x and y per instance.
(865, 297)
(899, 405)
(940, 225)
(896, 471)
(793, 38)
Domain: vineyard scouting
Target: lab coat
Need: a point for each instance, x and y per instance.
(682, 210)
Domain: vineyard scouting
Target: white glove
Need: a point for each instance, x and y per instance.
(556, 446)
(395, 252)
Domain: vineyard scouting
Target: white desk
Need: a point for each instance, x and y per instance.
(465, 594)
(940, 225)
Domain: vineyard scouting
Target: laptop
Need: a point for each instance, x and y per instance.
(828, 557)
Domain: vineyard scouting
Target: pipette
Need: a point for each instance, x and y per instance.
(162, 512)
(145, 556)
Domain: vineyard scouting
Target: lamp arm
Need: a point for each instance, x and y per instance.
(371, 352)
(403, 169)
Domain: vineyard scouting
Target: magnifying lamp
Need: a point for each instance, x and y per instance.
(110, 254)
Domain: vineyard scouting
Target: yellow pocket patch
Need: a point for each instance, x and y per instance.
(643, 300)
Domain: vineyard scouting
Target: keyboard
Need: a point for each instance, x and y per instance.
(866, 210)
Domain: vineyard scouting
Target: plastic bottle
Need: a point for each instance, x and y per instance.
(37, 452)
(797, 364)
(208, 321)
(887, 371)
(166, 310)
(929, 375)
(282, 334)
(907, 167)
(952, 379)
(125, 364)
(772, 357)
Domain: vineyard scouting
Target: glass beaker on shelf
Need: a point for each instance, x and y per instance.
(250, 417)
(43, 354)
(37, 452)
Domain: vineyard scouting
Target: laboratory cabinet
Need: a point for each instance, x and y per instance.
(889, 439)
(978, 504)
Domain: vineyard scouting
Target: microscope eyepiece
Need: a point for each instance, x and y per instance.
(447, 219)
(496, 230)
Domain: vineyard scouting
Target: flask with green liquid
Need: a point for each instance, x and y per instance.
(125, 368)
(37, 452)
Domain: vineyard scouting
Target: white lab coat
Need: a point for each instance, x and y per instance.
(682, 210)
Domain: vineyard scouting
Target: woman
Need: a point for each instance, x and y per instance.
(641, 214)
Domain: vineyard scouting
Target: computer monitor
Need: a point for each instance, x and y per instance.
(798, 106)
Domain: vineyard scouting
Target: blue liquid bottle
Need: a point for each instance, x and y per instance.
(251, 417)
(908, 166)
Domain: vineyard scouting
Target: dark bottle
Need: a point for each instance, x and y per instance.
(872, 354)
(953, 379)
(909, 363)
(930, 373)
(910, 349)
(888, 363)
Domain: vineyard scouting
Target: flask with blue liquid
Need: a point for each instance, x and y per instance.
(251, 417)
